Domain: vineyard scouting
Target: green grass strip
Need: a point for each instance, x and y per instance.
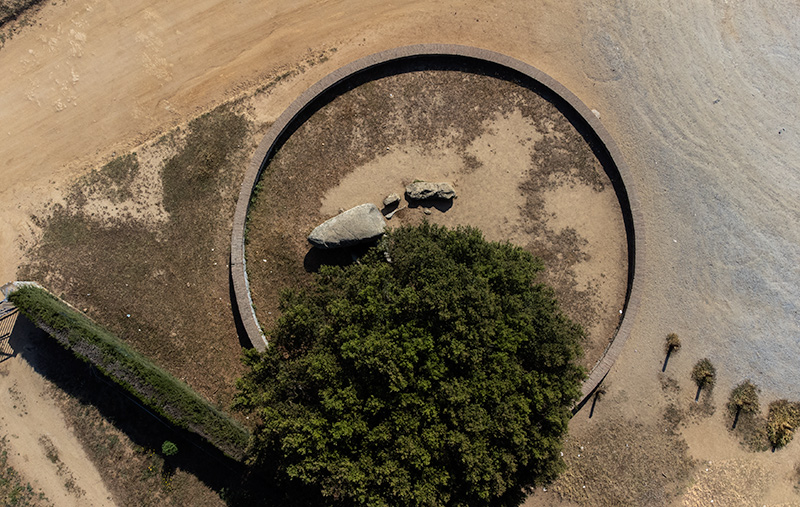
(153, 387)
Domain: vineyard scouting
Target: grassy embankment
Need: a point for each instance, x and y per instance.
(170, 398)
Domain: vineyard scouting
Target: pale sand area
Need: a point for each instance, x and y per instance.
(43, 448)
(701, 98)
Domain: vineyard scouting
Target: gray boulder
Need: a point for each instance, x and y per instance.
(421, 190)
(357, 225)
(391, 200)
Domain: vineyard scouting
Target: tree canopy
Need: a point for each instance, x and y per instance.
(434, 371)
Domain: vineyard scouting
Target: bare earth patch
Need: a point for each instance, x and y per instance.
(522, 173)
(38, 438)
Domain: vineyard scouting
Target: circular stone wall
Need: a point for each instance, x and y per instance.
(500, 126)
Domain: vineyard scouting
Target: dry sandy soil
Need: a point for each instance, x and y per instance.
(521, 171)
(43, 446)
(701, 97)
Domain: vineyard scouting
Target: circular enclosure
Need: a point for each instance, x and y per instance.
(377, 124)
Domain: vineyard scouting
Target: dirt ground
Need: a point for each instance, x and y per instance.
(521, 171)
(699, 96)
(43, 447)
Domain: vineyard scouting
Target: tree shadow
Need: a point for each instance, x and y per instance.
(666, 360)
(318, 257)
(591, 409)
(736, 417)
(263, 485)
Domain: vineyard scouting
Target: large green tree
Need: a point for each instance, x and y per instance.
(434, 371)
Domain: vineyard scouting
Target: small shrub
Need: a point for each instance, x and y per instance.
(782, 421)
(169, 448)
(601, 391)
(672, 343)
(704, 374)
(744, 399)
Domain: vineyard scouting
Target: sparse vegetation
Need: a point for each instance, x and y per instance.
(14, 490)
(51, 452)
(118, 269)
(704, 375)
(671, 344)
(796, 477)
(445, 377)
(11, 10)
(197, 172)
(154, 387)
(743, 399)
(114, 180)
(782, 421)
(599, 394)
(16, 15)
(624, 462)
(169, 448)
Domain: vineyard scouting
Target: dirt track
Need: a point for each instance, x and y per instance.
(43, 447)
(701, 98)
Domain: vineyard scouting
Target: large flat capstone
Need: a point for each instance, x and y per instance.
(357, 225)
(422, 190)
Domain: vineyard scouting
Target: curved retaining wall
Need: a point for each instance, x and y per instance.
(602, 143)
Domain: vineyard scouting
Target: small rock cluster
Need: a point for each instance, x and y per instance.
(424, 190)
(366, 223)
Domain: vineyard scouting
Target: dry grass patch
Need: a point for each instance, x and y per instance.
(15, 15)
(625, 462)
(160, 286)
(727, 482)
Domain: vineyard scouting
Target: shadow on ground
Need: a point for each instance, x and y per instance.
(237, 483)
(88, 385)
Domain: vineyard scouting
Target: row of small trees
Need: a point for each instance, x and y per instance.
(783, 417)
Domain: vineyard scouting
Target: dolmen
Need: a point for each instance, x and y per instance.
(358, 225)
